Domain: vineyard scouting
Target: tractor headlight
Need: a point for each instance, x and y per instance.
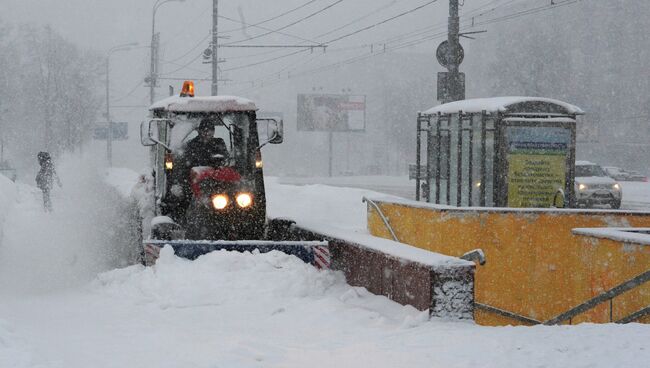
(616, 186)
(220, 201)
(258, 160)
(582, 187)
(244, 200)
(169, 161)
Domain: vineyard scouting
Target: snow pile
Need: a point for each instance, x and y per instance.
(13, 352)
(239, 310)
(222, 279)
(84, 235)
(123, 180)
(318, 206)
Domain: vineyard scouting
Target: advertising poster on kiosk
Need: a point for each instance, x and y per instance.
(537, 164)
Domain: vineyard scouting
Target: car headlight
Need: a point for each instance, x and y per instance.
(616, 186)
(244, 200)
(582, 187)
(220, 201)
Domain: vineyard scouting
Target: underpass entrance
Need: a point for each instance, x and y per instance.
(498, 152)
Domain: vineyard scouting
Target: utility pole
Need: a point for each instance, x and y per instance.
(109, 124)
(454, 52)
(215, 47)
(153, 74)
(450, 54)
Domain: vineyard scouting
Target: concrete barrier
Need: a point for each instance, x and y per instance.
(427, 281)
(537, 268)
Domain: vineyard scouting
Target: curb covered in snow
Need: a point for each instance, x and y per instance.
(445, 288)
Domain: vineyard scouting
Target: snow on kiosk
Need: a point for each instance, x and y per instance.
(221, 204)
(498, 152)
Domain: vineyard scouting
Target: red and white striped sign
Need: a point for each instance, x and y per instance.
(321, 257)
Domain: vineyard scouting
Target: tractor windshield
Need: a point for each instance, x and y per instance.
(231, 135)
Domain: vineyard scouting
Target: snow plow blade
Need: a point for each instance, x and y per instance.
(312, 252)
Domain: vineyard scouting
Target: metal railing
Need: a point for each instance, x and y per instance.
(635, 316)
(608, 295)
(508, 314)
(381, 215)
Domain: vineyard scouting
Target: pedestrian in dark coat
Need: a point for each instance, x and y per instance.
(45, 178)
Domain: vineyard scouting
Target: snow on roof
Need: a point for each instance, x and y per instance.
(584, 163)
(495, 104)
(548, 120)
(204, 104)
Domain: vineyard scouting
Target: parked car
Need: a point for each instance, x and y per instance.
(636, 176)
(594, 187)
(616, 173)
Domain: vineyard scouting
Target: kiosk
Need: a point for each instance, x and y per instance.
(498, 152)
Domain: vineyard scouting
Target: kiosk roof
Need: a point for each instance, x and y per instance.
(495, 105)
(204, 104)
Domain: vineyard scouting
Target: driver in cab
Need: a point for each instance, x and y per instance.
(205, 149)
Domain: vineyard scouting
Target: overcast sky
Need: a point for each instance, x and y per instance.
(101, 24)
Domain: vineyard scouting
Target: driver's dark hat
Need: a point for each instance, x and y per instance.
(206, 123)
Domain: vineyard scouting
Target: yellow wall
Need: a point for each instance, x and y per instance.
(535, 266)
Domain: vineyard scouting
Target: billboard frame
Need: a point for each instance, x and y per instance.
(300, 113)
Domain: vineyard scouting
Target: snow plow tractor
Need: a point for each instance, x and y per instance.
(207, 189)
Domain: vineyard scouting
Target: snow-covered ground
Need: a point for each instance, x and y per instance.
(65, 301)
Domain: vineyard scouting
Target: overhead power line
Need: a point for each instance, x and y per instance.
(266, 29)
(337, 38)
(522, 13)
(272, 18)
(468, 23)
(184, 66)
(191, 50)
(356, 20)
(131, 92)
(382, 22)
(288, 25)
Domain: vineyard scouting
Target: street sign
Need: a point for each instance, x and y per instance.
(449, 89)
(120, 131)
(413, 172)
(442, 54)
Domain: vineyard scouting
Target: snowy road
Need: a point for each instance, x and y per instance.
(65, 303)
(636, 195)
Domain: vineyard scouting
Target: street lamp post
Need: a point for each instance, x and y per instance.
(153, 73)
(109, 132)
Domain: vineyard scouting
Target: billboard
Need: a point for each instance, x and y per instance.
(331, 113)
(120, 131)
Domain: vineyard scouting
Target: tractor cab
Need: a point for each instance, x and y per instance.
(210, 182)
